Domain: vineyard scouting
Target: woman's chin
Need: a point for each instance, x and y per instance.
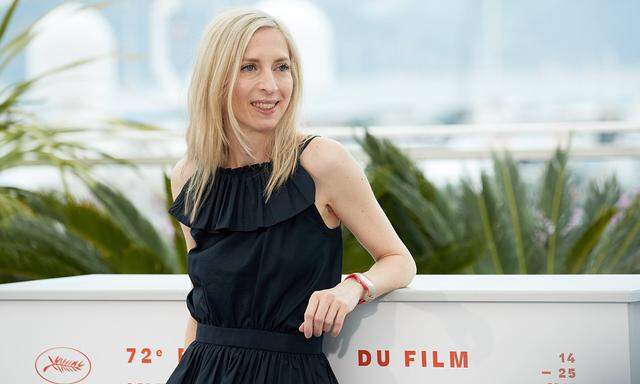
(265, 124)
(264, 128)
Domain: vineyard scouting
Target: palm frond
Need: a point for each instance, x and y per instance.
(624, 239)
(577, 257)
(6, 18)
(179, 244)
(487, 209)
(41, 247)
(555, 203)
(512, 194)
(134, 223)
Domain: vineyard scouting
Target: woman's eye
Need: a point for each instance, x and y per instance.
(282, 67)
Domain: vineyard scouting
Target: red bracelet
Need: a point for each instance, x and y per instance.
(366, 289)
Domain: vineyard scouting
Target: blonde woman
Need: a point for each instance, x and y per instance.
(261, 208)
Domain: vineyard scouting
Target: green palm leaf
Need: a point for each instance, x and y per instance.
(179, 244)
(134, 224)
(577, 257)
(511, 191)
(41, 247)
(555, 202)
(600, 199)
(624, 240)
(487, 209)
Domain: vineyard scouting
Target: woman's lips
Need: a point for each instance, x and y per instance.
(260, 107)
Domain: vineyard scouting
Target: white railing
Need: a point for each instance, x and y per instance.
(419, 142)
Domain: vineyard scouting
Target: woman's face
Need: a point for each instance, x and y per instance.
(264, 84)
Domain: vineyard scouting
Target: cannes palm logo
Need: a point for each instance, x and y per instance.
(63, 365)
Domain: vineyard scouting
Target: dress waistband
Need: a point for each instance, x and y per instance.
(259, 339)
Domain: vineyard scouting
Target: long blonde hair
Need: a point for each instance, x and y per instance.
(220, 52)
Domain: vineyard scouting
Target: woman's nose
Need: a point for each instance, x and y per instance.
(267, 82)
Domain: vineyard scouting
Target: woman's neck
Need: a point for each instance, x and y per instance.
(257, 143)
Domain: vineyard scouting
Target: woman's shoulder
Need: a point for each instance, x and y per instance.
(180, 173)
(323, 156)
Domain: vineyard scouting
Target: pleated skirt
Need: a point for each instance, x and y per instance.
(223, 355)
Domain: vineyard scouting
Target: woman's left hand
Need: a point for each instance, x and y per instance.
(328, 308)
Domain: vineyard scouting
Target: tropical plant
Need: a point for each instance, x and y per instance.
(502, 225)
(51, 234)
(56, 235)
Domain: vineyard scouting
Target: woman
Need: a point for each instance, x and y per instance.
(261, 208)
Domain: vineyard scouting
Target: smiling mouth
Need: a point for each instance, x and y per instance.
(265, 106)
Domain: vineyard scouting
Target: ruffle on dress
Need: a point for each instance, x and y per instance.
(235, 201)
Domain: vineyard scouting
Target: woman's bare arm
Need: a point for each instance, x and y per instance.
(190, 332)
(179, 175)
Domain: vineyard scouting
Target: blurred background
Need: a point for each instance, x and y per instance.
(449, 84)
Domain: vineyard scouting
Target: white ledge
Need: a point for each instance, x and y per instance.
(491, 288)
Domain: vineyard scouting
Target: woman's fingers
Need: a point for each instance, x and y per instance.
(331, 315)
(309, 314)
(339, 321)
(321, 313)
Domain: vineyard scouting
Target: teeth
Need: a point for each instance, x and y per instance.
(264, 106)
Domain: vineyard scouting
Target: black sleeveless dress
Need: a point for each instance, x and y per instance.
(253, 269)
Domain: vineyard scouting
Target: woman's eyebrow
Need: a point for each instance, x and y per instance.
(252, 60)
